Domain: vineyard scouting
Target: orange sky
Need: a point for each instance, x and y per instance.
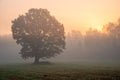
(74, 14)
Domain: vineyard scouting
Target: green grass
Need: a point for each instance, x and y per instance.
(61, 71)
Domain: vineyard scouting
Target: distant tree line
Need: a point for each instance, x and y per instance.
(97, 44)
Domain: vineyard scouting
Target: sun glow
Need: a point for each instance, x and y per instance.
(74, 15)
(96, 22)
(97, 27)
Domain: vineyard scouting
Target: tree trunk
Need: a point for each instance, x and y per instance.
(36, 60)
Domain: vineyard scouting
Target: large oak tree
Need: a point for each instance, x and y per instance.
(40, 34)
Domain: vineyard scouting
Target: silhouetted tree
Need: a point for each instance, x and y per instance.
(40, 34)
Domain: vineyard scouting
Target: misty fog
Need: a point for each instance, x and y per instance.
(94, 46)
(9, 50)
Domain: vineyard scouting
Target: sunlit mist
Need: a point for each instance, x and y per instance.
(59, 39)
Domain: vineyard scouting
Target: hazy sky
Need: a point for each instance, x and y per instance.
(74, 14)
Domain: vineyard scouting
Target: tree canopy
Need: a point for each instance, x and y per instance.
(40, 34)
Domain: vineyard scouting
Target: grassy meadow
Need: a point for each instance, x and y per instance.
(59, 71)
